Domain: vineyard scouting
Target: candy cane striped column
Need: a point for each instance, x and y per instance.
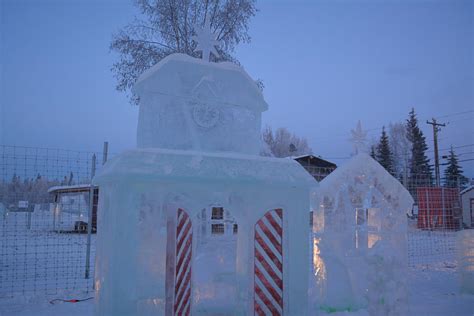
(268, 267)
(184, 239)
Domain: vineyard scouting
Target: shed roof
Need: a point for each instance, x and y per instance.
(315, 161)
(76, 188)
(469, 188)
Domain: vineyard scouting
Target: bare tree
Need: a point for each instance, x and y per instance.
(282, 143)
(400, 147)
(167, 26)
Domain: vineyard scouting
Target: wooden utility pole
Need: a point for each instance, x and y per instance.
(436, 129)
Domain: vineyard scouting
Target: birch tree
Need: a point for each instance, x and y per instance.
(400, 148)
(282, 143)
(167, 26)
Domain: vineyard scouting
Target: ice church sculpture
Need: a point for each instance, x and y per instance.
(193, 221)
(359, 243)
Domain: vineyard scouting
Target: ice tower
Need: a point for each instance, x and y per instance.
(193, 221)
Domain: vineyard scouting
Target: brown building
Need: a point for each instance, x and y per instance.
(316, 166)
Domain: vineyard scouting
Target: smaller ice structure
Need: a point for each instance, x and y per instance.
(359, 239)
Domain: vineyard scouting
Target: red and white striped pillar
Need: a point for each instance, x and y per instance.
(268, 265)
(180, 239)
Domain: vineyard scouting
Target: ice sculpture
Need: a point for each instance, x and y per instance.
(363, 238)
(193, 221)
(191, 104)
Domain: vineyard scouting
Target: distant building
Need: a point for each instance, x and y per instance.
(316, 166)
(438, 208)
(467, 200)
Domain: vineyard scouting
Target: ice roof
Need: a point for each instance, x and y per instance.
(363, 169)
(179, 75)
(165, 164)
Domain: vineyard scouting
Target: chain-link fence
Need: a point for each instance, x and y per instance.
(46, 244)
(437, 215)
(48, 221)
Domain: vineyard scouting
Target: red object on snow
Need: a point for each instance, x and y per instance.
(438, 208)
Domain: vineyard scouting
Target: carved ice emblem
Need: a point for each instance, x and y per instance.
(205, 115)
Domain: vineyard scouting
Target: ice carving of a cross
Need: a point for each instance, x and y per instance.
(206, 41)
(358, 139)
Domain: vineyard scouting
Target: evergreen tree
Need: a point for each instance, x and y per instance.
(372, 152)
(453, 174)
(383, 153)
(421, 173)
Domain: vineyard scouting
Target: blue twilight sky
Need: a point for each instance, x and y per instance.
(325, 64)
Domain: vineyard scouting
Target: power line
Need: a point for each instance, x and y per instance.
(370, 130)
(466, 153)
(455, 114)
(456, 147)
(460, 120)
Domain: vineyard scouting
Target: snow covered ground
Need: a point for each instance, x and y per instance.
(38, 265)
(436, 292)
(40, 256)
(432, 292)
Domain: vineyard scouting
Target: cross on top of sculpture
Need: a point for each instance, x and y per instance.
(206, 41)
(358, 139)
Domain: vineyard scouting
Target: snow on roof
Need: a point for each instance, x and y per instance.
(178, 75)
(301, 156)
(177, 57)
(166, 164)
(469, 188)
(72, 188)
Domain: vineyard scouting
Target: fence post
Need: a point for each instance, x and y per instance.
(443, 205)
(458, 187)
(105, 152)
(89, 222)
(428, 218)
(29, 220)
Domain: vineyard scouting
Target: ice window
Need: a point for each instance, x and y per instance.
(217, 213)
(361, 216)
(361, 228)
(374, 226)
(217, 229)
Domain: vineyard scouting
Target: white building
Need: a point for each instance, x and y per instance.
(467, 201)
